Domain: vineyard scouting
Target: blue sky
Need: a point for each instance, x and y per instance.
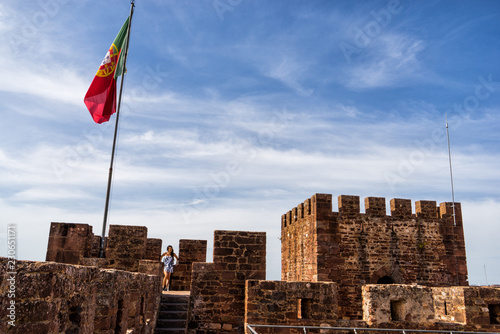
(235, 111)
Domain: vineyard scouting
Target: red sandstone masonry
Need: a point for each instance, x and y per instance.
(453, 236)
(458, 308)
(300, 238)
(61, 298)
(479, 299)
(217, 302)
(69, 242)
(426, 209)
(352, 248)
(375, 206)
(56, 297)
(125, 247)
(153, 249)
(96, 245)
(290, 303)
(348, 205)
(190, 251)
(151, 267)
(401, 208)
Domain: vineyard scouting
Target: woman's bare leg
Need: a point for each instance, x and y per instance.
(165, 279)
(167, 276)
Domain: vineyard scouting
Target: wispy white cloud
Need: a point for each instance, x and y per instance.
(390, 60)
(38, 194)
(38, 59)
(341, 109)
(289, 71)
(42, 81)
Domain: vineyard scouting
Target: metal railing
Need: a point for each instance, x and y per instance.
(251, 328)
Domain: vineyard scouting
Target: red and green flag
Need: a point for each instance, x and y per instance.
(101, 96)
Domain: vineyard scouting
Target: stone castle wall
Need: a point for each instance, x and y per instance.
(471, 308)
(82, 293)
(126, 248)
(63, 298)
(290, 304)
(459, 308)
(352, 248)
(217, 302)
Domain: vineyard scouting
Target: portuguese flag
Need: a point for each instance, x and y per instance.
(101, 96)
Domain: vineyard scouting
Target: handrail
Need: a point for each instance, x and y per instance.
(251, 329)
(355, 329)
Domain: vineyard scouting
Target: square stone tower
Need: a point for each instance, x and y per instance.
(353, 248)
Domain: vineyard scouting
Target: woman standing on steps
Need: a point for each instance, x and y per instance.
(168, 262)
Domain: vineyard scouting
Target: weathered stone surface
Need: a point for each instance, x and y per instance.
(218, 289)
(290, 303)
(153, 249)
(68, 242)
(415, 306)
(394, 302)
(126, 245)
(375, 206)
(94, 262)
(61, 298)
(151, 267)
(190, 251)
(449, 304)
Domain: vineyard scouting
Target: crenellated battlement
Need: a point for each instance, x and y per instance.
(126, 247)
(387, 267)
(319, 206)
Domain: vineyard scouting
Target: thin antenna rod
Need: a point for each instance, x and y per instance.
(451, 173)
(485, 276)
(110, 175)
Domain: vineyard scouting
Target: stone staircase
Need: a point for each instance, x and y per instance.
(172, 316)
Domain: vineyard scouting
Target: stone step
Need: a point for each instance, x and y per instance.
(171, 323)
(172, 314)
(170, 331)
(174, 307)
(171, 298)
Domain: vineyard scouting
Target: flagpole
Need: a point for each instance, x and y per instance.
(451, 173)
(110, 175)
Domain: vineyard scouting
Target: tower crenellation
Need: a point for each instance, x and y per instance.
(426, 209)
(349, 205)
(375, 206)
(401, 208)
(320, 206)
